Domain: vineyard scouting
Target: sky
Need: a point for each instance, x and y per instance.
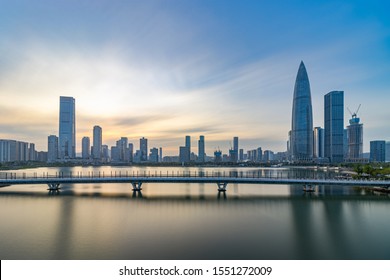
(166, 69)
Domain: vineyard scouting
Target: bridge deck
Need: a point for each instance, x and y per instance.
(188, 179)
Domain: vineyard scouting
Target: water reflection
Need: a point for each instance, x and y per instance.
(53, 192)
(222, 194)
(137, 194)
(91, 226)
(193, 221)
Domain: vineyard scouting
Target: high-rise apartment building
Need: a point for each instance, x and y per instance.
(377, 151)
(5, 150)
(97, 143)
(259, 154)
(42, 156)
(32, 152)
(115, 154)
(52, 148)
(268, 156)
(105, 153)
(86, 148)
(387, 153)
(153, 156)
(67, 128)
(143, 146)
(184, 154)
(123, 147)
(12, 150)
(302, 118)
(334, 126)
(318, 142)
(201, 149)
(131, 152)
(241, 155)
(123, 151)
(252, 154)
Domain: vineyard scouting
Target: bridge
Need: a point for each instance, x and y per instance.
(137, 179)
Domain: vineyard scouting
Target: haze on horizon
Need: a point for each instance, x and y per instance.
(166, 69)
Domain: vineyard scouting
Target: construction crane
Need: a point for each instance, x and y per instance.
(354, 114)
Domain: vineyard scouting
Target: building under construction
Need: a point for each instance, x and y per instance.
(355, 138)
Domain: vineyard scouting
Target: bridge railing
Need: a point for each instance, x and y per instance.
(148, 173)
(168, 173)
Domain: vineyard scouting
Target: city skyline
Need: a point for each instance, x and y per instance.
(219, 71)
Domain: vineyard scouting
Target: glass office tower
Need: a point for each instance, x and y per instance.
(302, 118)
(334, 126)
(67, 129)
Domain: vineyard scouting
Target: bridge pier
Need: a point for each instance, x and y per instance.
(308, 188)
(137, 194)
(222, 186)
(223, 195)
(53, 186)
(136, 186)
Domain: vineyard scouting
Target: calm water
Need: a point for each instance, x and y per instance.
(190, 221)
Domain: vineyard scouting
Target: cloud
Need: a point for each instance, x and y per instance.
(171, 73)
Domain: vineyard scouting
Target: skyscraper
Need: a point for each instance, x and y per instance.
(52, 148)
(318, 142)
(97, 143)
(188, 143)
(387, 152)
(378, 151)
(143, 146)
(188, 148)
(201, 153)
(86, 147)
(334, 126)
(355, 138)
(234, 156)
(302, 118)
(67, 129)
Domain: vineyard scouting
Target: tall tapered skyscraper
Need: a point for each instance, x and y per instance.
(67, 129)
(302, 118)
